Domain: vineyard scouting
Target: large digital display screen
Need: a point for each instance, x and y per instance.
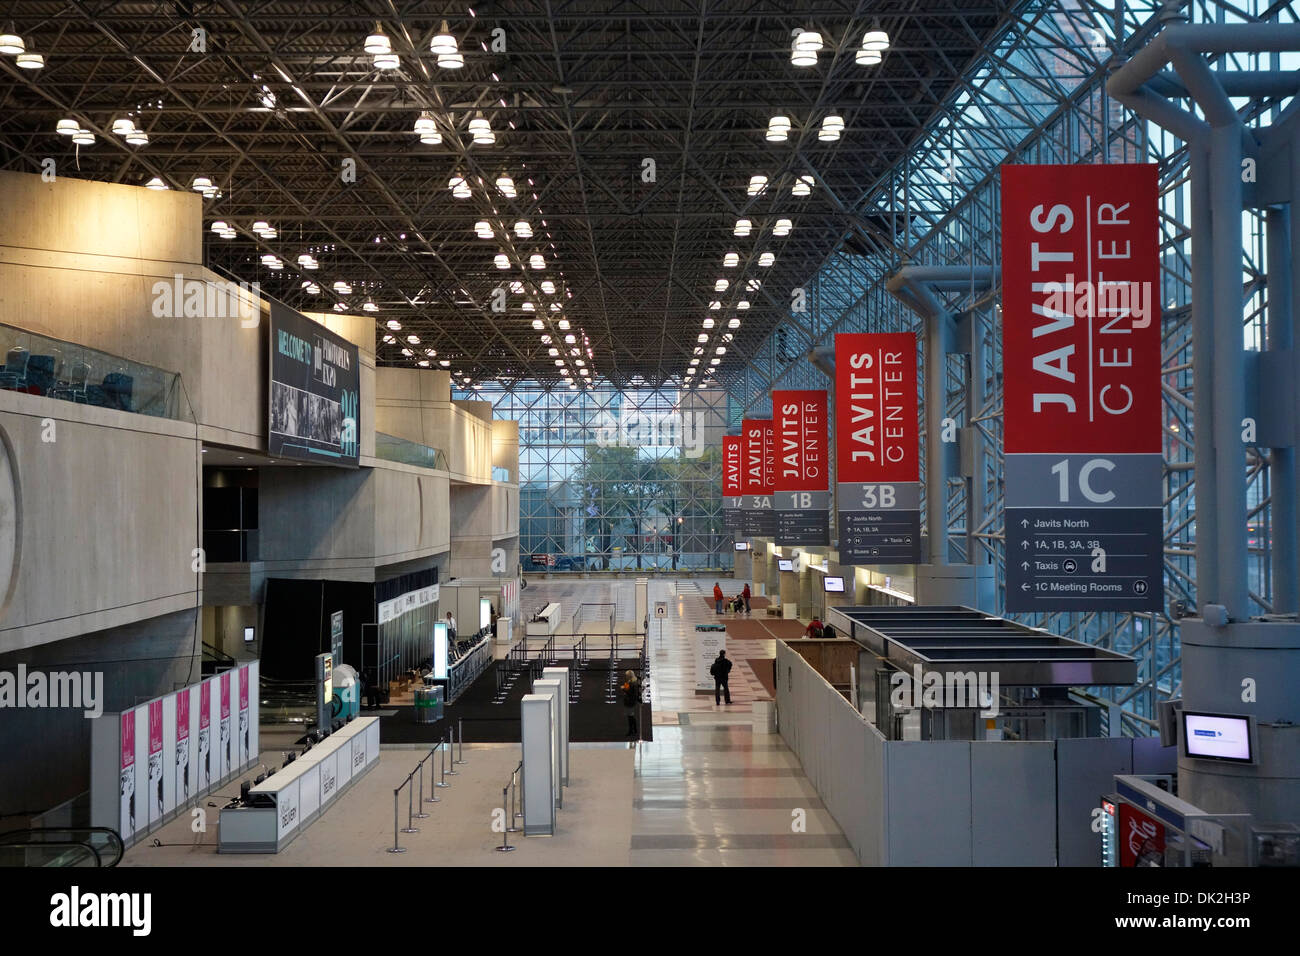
(314, 395)
(1217, 737)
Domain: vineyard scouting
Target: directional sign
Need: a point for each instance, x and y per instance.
(1081, 363)
(877, 448)
(661, 608)
(733, 492)
(802, 484)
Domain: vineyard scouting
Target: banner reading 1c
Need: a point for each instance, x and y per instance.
(877, 448)
(1081, 364)
(802, 486)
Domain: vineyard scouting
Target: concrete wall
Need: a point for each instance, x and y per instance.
(98, 526)
(342, 524)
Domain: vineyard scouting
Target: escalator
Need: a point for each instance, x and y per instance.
(61, 847)
(214, 661)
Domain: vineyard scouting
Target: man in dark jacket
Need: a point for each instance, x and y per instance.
(721, 671)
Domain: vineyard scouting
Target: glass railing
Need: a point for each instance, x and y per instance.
(40, 365)
(404, 452)
(105, 844)
(500, 474)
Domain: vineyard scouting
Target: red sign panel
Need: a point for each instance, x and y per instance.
(128, 739)
(183, 714)
(769, 458)
(799, 429)
(155, 726)
(225, 695)
(1141, 838)
(758, 450)
(731, 467)
(876, 423)
(1081, 313)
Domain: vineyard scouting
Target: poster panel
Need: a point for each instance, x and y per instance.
(801, 485)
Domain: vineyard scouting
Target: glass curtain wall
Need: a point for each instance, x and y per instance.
(614, 480)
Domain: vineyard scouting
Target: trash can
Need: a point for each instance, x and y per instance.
(428, 704)
(764, 716)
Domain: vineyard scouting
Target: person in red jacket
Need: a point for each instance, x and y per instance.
(717, 597)
(745, 595)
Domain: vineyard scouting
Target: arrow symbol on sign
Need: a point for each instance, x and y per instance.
(1024, 545)
(1024, 587)
(1024, 522)
(1025, 565)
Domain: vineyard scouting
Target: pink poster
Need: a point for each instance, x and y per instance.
(204, 768)
(155, 761)
(183, 746)
(128, 774)
(244, 755)
(226, 764)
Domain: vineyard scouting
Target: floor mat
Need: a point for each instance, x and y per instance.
(592, 717)
(754, 602)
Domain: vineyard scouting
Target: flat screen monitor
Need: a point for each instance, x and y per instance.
(1217, 737)
(833, 584)
(742, 545)
(250, 634)
(440, 650)
(484, 613)
(785, 564)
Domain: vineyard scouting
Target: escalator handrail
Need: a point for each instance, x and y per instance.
(55, 844)
(112, 841)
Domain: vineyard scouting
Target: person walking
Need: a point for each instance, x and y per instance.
(745, 595)
(717, 597)
(815, 628)
(721, 671)
(631, 688)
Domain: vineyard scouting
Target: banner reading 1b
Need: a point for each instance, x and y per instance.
(877, 448)
(1081, 363)
(802, 492)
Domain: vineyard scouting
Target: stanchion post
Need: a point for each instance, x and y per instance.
(460, 735)
(442, 762)
(409, 793)
(396, 847)
(433, 784)
(419, 802)
(505, 846)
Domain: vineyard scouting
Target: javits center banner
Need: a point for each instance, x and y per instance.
(315, 391)
(1081, 363)
(733, 492)
(758, 457)
(877, 448)
(801, 489)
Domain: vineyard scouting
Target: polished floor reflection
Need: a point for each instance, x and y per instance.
(708, 790)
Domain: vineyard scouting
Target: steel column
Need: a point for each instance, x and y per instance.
(1282, 479)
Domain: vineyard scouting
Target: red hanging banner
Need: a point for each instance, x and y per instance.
(801, 485)
(877, 448)
(758, 457)
(1081, 366)
(733, 491)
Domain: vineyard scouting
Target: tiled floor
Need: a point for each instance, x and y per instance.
(709, 791)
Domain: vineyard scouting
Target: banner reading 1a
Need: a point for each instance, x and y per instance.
(733, 493)
(1081, 363)
(758, 454)
(802, 487)
(877, 448)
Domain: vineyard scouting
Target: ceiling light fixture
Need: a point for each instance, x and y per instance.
(832, 127)
(782, 227)
(378, 43)
(802, 186)
(443, 46)
(12, 44)
(730, 260)
(501, 260)
(481, 132)
(804, 49)
(506, 186)
(742, 227)
(778, 129)
(757, 184)
(156, 184)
